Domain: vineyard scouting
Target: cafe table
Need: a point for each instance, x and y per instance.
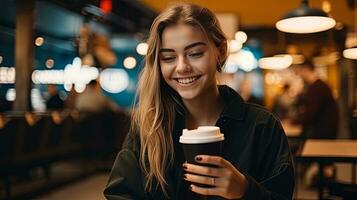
(324, 151)
(291, 130)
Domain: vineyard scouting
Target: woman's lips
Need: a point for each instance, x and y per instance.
(187, 80)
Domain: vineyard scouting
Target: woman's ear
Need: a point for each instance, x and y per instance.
(222, 55)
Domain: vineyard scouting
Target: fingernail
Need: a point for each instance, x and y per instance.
(184, 176)
(198, 158)
(190, 187)
(184, 166)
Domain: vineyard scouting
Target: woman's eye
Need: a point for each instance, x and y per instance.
(195, 55)
(168, 58)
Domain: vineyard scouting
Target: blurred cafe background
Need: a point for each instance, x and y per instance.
(69, 71)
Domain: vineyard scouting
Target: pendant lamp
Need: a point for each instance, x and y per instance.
(351, 53)
(277, 62)
(305, 20)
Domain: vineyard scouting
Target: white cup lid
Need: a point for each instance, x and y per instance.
(203, 134)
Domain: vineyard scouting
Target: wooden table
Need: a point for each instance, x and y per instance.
(291, 130)
(327, 151)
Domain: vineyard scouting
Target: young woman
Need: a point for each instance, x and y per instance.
(177, 90)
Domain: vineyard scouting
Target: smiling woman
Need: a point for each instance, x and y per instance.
(178, 90)
(188, 62)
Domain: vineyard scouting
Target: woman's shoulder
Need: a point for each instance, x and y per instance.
(260, 114)
(240, 109)
(132, 141)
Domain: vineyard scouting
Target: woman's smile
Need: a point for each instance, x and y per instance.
(187, 81)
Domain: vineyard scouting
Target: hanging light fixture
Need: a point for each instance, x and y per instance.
(305, 20)
(351, 51)
(277, 62)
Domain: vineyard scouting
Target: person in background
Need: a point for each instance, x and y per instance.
(318, 116)
(93, 100)
(283, 103)
(71, 98)
(245, 90)
(54, 102)
(177, 90)
(318, 111)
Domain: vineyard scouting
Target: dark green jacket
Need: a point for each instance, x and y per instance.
(254, 143)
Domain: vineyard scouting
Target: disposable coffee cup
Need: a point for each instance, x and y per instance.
(205, 140)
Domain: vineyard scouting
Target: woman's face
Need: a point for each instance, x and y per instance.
(188, 61)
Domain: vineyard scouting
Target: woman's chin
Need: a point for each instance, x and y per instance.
(188, 94)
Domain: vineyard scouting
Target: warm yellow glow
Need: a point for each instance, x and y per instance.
(129, 62)
(276, 62)
(350, 53)
(297, 58)
(339, 26)
(326, 6)
(307, 24)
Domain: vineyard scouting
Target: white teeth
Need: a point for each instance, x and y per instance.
(187, 80)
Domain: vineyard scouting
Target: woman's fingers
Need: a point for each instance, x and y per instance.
(213, 181)
(228, 181)
(203, 170)
(217, 191)
(213, 160)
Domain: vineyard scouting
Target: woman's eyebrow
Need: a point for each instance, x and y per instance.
(186, 48)
(194, 45)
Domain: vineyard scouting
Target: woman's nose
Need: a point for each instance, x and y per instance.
(182, 65)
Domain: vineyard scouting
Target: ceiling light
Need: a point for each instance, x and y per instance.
(350, 53)
(297, 58)
(277, 62)
(305, 20)
(351, 40)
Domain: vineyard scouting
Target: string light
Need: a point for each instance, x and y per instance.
(129, 62)
(39, 41)
(142, 48)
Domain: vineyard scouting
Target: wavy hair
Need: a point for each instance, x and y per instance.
(157, 103)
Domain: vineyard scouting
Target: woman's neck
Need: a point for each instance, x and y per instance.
(205, 110)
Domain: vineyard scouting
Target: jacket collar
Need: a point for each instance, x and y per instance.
(234, 106)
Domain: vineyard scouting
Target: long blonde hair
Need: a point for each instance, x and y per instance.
(155, 113)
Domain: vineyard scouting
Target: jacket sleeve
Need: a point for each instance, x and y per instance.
(276, 172)
(125, 179)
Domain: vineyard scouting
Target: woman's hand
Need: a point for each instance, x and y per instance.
(228, 181)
